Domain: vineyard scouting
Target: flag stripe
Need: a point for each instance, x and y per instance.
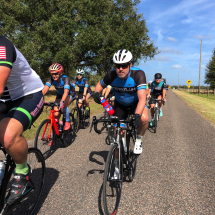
(2, 52)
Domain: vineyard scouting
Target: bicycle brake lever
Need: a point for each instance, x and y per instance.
(91, 126)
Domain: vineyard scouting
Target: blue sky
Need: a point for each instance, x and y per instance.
(176, 28)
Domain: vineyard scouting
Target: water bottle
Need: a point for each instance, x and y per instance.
(107, 106)
(2, 169)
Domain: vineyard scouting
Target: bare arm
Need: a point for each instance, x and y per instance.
(142, 101)
(108, 89)
(45, 89)
(65, 94)
(4, 74)
(98, 88)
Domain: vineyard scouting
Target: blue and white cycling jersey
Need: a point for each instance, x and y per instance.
(126, 90)
(157, 89)
(81, 84)
(63, 84)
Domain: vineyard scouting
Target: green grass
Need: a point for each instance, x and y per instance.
(204, 105)
(30, 134)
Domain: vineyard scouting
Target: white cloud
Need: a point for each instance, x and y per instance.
(203, 66)
(203, 37)
(186, 21)
(169, 50)
(162, 58)
(176, 67)
(160, 37)
(172, 39)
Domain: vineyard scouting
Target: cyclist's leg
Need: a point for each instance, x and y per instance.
(57, 114)
(67, 102)
(80, 96)
(21, 114)
(152, 101)
(160, 105)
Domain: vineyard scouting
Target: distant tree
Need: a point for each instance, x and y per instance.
(210, 72)
(75, 33)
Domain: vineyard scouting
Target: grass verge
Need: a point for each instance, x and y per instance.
(30, 134)
(203, 105)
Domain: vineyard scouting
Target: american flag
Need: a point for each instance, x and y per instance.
(2, 52)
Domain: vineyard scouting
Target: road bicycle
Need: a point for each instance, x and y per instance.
(127, 162)
(81, 118)
(27, 204)
(48, 132)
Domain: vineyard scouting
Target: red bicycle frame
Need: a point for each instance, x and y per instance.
(53, 122)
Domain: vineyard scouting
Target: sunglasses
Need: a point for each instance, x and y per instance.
(124, 66)
(54, 74)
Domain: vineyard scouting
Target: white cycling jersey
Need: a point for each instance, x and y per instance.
(23, 80)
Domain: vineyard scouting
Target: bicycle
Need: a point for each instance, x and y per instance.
(46, 138)
(156, 113)
(27, 204)
(80, 117)
(127, 162)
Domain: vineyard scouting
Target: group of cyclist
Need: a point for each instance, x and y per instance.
(22, 99)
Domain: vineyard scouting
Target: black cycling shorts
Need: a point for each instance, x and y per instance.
(80, 94)
(25, 109)
(153, 97)
(59, 97)
(122, 111)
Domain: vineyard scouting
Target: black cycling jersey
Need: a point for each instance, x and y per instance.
(157, 89)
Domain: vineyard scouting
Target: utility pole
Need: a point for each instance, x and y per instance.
(178, 80)
(200, 66)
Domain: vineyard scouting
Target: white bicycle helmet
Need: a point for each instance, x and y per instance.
(80, 72)
(122, 56)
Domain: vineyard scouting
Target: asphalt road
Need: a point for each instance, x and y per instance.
(175, 173)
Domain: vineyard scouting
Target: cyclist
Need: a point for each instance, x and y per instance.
(65, 92)
(21, 102)
(129, 85)
(84, 89)
(157, 90)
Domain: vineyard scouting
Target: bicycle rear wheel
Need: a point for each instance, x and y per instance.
(75, 114)
(112, 188)
(29, 202)
(42, 142)
(132, 158)
(86, 120)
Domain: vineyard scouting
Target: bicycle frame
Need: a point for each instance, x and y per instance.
(53, 122)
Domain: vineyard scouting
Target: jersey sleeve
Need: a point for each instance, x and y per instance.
(140, 80)
(109, 78)
(73, 82)
(86, 83)
(164, 86)
(49, 82)
(66, 81)
(7, 52)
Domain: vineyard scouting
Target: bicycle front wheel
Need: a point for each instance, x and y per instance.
(75, 114)
(28, 203)
(156, 119)
(86, 120)
(42, 140)
(112, 188)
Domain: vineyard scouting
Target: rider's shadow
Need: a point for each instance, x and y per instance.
(102, 154)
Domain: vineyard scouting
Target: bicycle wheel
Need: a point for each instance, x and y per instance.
(75, 114)
(156, 119)
(111, 188)
(68, 136)
(132, 158)
(42, 142)
(29, 202)
(86, 119)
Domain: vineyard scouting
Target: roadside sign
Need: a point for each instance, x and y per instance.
(188, 86)
(189, 81)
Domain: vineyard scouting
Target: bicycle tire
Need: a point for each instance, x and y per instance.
(112, 188)
(75, 114)
(68, 136)
(43, 144)
(86, 119)
(156, 119)
(110, 138)
(132, 158)
(29, 202)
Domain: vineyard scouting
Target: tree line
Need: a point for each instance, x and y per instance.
(75, 33)
(210, 72)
